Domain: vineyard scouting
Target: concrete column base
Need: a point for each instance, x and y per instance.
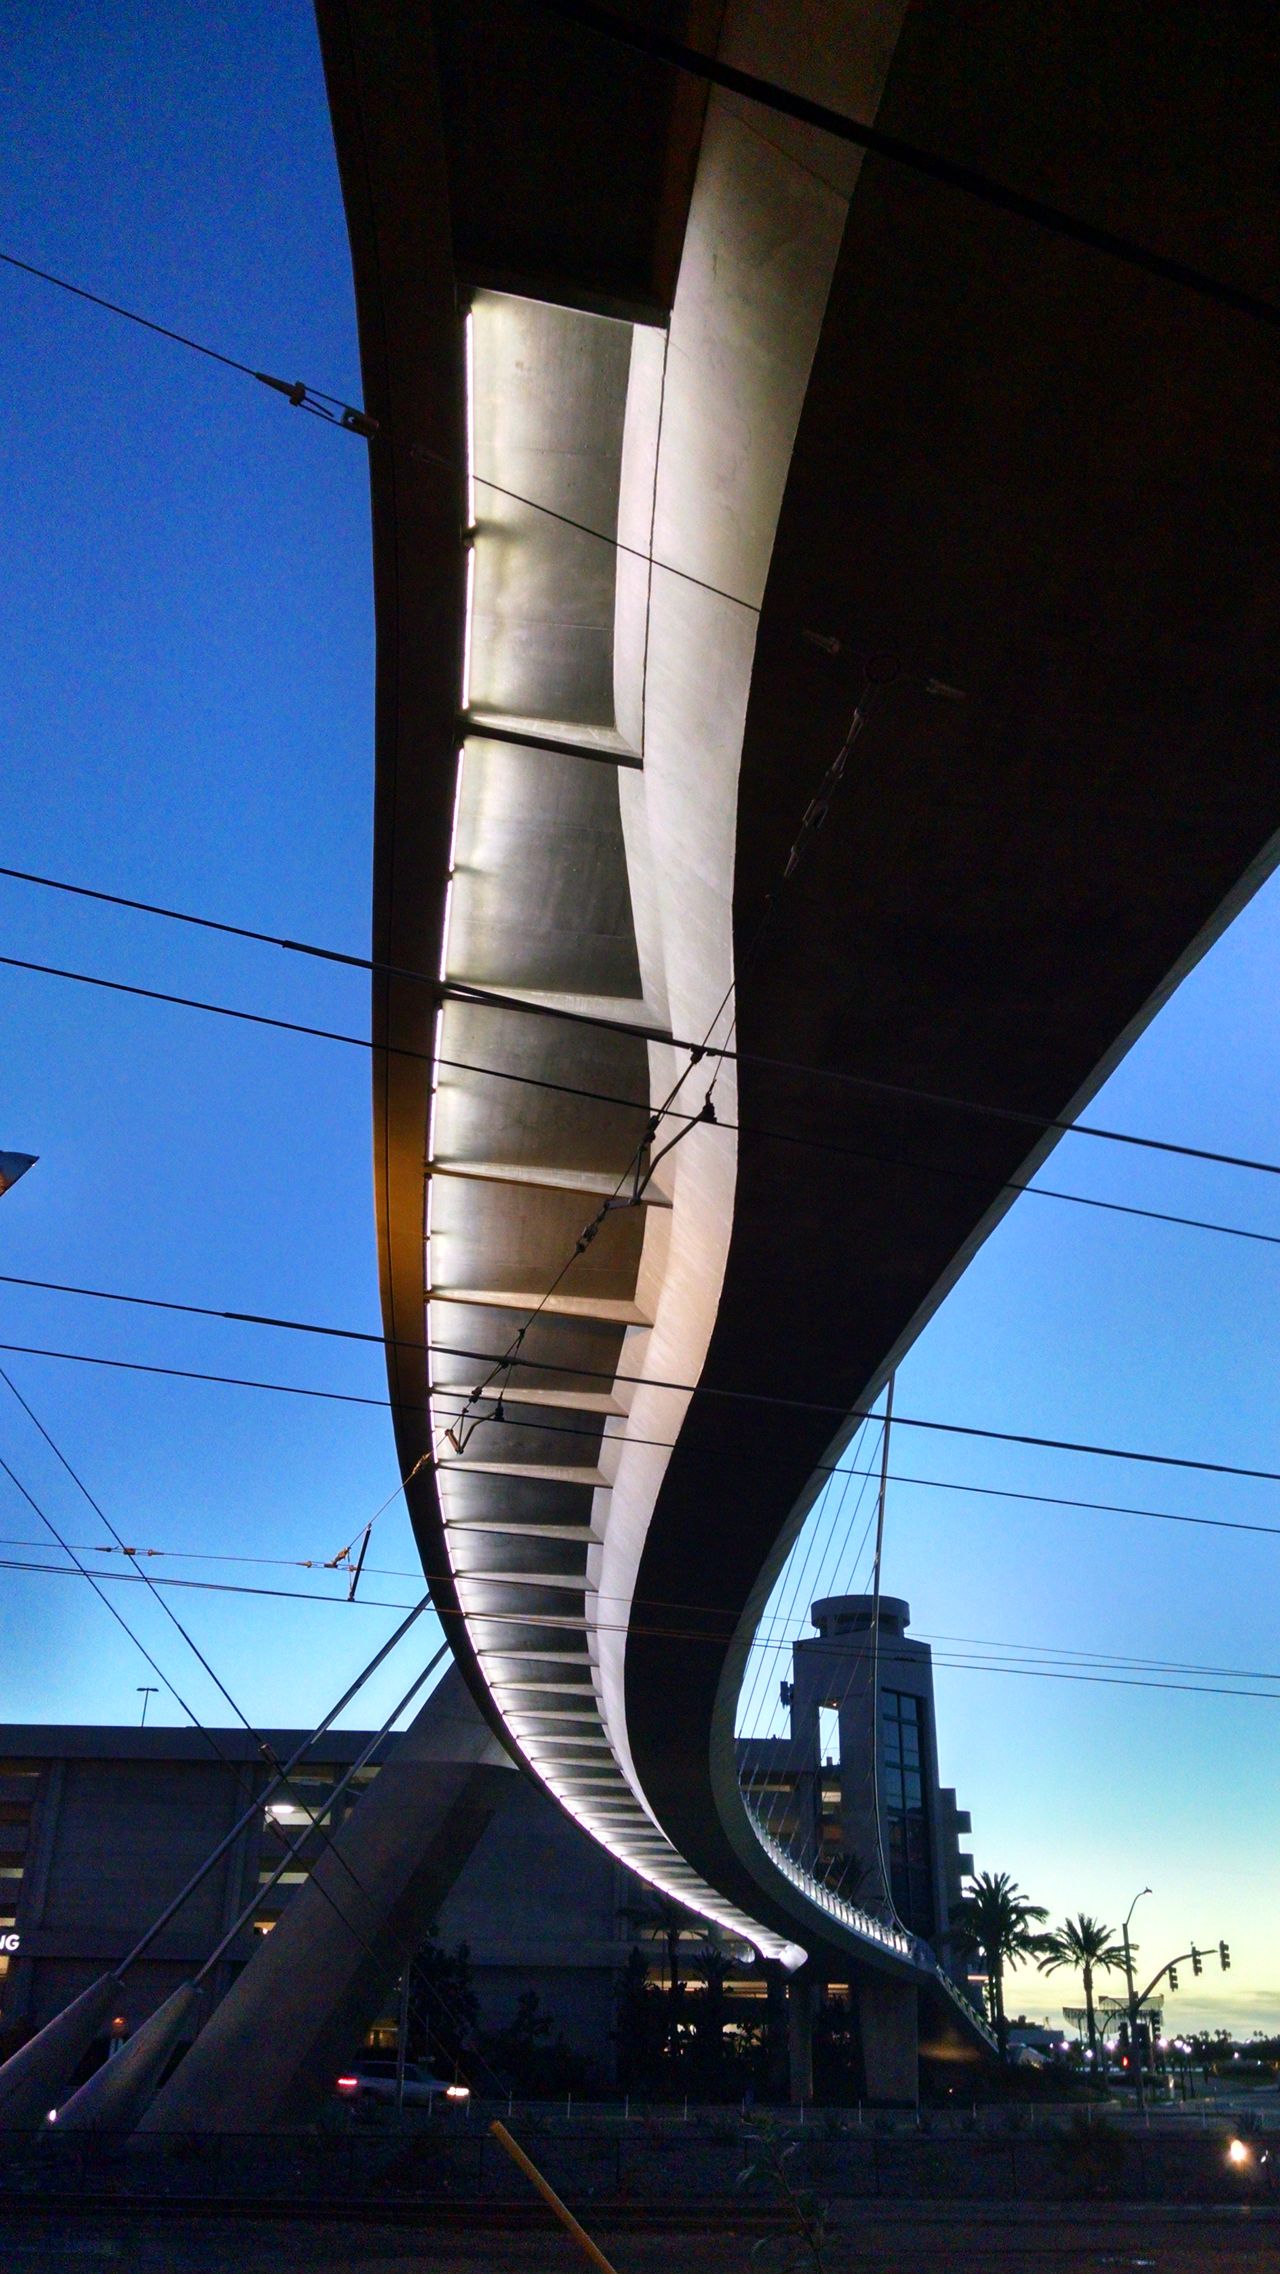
(114, 2097)
(34, 2079)
(888, 2025)
(801, 1993)
(271, 2051)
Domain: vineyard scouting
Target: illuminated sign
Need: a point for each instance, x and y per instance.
(10, 1944)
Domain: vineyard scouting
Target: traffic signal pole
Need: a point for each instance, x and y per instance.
(1136, 2003)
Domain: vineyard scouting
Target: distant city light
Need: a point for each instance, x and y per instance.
(457, 2092)
(1238, 2153)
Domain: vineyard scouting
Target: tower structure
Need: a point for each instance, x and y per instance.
(853, 1791)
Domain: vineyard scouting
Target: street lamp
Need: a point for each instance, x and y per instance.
(1134, 2046)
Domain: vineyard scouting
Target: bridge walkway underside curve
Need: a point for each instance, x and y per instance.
(827, 402)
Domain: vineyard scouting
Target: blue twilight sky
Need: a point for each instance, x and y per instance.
(186, 655)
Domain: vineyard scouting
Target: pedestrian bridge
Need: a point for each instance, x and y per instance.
(825, 701)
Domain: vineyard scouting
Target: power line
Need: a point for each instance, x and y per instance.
(443, 1390)
(328, 407)
(93, 1578)
(755, 1397)
(461, 991)
(970, 180)
(145, 1577)
(79, 1571)
(107, 1524)
(671, 1633)
(336, 412)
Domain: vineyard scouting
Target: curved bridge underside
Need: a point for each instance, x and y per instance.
(666, 387)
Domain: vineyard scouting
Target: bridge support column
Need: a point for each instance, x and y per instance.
(270, 2052)
(801, 1994)
(887, 2023)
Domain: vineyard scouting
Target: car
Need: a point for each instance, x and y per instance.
(375, 2080)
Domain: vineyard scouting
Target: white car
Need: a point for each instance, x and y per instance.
(369, 2080)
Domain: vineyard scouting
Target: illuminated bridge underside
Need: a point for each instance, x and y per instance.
(839, 403)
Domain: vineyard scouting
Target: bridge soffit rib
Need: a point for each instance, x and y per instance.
(607, 665)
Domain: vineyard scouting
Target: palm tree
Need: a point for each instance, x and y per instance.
(994, 1918)
(1086, 1946)
(664, 1920)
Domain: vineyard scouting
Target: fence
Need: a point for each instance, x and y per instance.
(651, 2162)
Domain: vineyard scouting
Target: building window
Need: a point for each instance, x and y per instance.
(906, 1823)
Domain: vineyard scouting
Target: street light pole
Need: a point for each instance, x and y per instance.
(1133, 2003)
(146, 1691)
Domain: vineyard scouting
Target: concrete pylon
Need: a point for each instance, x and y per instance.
(271, 2051)
(801, 1996)
(114, 2097)
(888, 2024)
(34, 2079)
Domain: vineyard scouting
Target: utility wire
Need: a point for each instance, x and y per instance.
(461, 991)
(445, 1390)
(261, 1798)
(904, 1421)
(969, 180)
(105, 1521)
(304, 398)
(81, 1571)
(847, 1476)
(790, 1626)
(957, 1664)
(263, 1746)
(336, 412)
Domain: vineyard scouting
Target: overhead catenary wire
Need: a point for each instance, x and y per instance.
(298, 396)
(985, 1664)
(107, 1524)
(791, 1627)
(146, 1579)
(666, 1445)
(355, 420)
(81, 1571)
(78, 1570)
(277, 1778)
(950, 173)
(331, 408)
(463, 992)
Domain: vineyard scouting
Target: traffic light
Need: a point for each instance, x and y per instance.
(1224, 1956)
(1173, 1977)
(1197, 1961)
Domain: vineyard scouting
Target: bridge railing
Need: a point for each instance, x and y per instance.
(852, 1916)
